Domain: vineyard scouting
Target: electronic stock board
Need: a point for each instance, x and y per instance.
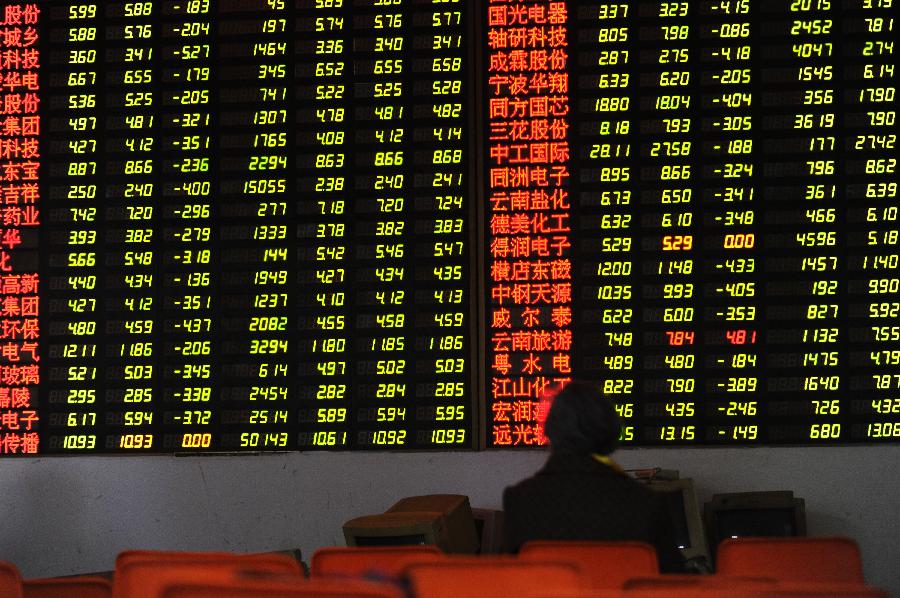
(254, 225)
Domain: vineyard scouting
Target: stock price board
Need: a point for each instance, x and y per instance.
(270, 225)
(694, 204)
(236, 225)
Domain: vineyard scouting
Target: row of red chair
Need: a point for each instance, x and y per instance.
(609, 564)
(12, 586)
(806, 559)
(772, 567)
(467, 578)
(775, 567)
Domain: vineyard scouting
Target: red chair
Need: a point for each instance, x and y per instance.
(723, 592)
(386, 561)
(827, 590)
(604, 564)
(799, 559)
(690, 583)
(261, 561)
(68, 587)
(648, 593)
(143, 574)
(492, 577)
(592, 593)
(314, 588)
(10, 581)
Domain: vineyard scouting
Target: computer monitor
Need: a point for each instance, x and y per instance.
(687, 523)
(489, 527)
(738, 514)
(394, 529)
(442, 520)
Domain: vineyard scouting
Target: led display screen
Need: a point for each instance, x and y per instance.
(694, 204)
(276, 225)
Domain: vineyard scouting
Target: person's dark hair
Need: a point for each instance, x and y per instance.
(582, 420)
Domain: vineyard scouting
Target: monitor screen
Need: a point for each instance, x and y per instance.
(680, 500)
(734, 523)
(675, 508)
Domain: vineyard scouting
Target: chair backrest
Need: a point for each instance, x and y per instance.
(68, 587)
(710, 587)
(701, 592)
(826, 590)
(10, 581)
(384, 561)
(721, 592)
(604, 564)
(491, 577)
(274, 562)
(792, 559)
(689, 583)
(589, 593)
(144, 574)
(314, 588)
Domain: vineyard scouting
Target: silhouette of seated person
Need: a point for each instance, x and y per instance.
(582, 494)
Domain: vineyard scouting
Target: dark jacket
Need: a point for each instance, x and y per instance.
(575, 497)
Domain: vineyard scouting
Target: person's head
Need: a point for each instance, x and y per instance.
(582, 420)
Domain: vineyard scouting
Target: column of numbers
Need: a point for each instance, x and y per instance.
(872, 165)
(76, 397)
(814, 51)
(133, 191)
(442, 236)
(606, 202)
(325, 209)
(190, 280)
(382, 364)
(266, 185)
(733, 318)
(671, 294)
